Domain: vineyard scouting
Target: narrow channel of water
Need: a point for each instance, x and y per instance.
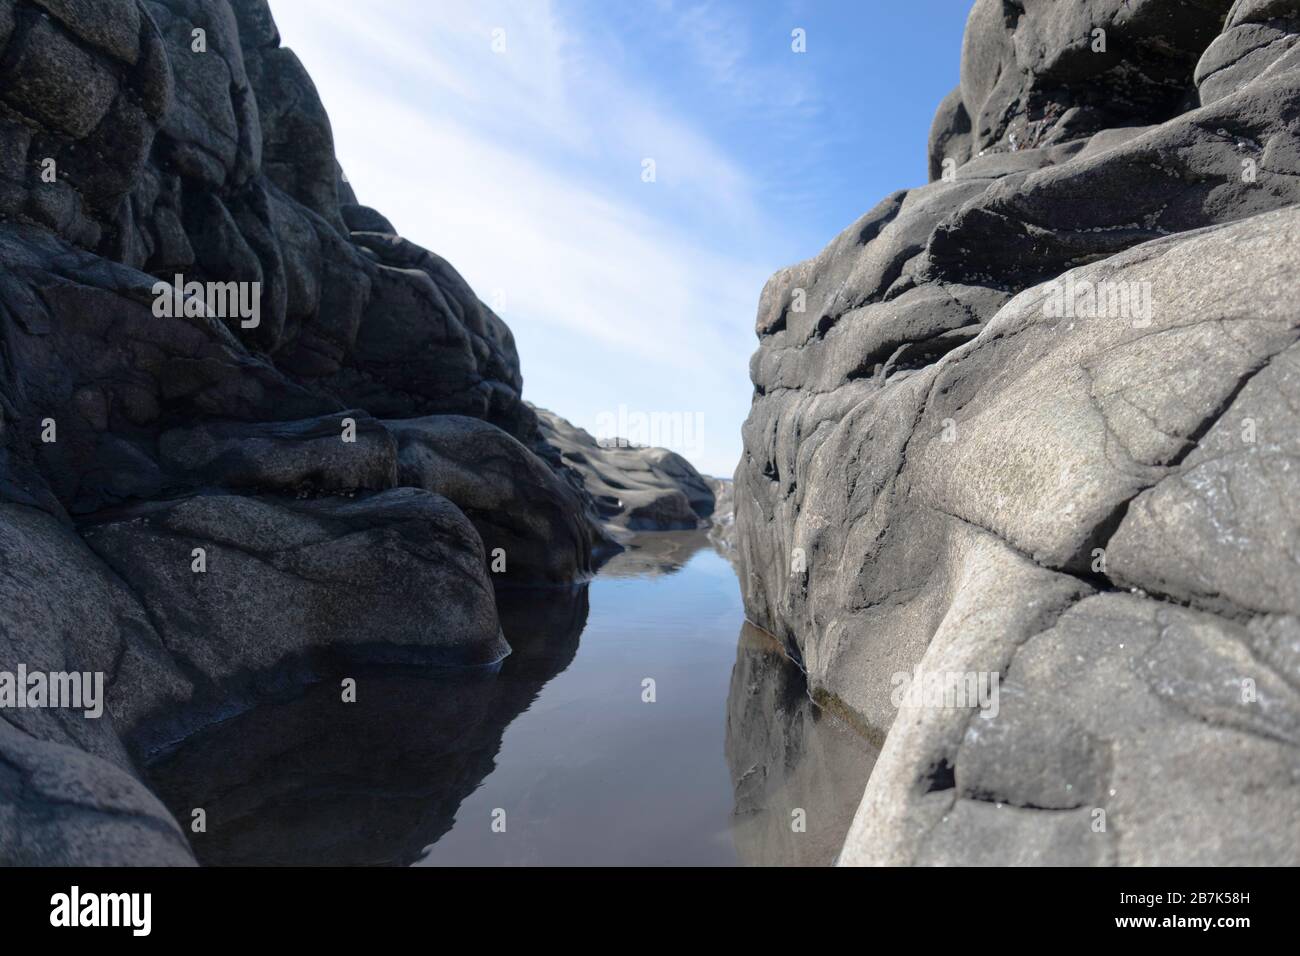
(638, 721)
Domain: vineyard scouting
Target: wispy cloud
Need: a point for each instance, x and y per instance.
(523, 168)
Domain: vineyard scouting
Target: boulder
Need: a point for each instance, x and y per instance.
(532, 522)
(1260, 36)
(344, 452)
(397, 574)
(950, 140)
(68, 790)
(1041, 71)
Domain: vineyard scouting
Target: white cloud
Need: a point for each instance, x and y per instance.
(509, 166)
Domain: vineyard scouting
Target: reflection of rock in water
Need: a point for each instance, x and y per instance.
(318, 782)
(786, 753)
(648, 554)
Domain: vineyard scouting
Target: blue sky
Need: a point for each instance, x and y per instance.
(510, 136)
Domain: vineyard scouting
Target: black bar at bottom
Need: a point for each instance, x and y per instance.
(302, 906)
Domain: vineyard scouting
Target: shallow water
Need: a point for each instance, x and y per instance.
(557, 756)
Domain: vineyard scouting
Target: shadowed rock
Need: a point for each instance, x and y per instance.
(1041, 71)
(344, 452)
(68, 793)
(527, 516)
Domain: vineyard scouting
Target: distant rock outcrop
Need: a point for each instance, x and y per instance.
(1037, 420)
(638, 489)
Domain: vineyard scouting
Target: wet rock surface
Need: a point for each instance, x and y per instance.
(1035, 420)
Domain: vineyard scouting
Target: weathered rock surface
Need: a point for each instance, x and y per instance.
(530, 518)
(1038, 420)
(640, 489)
(399, 573)
(68, 793)
(301, 457)
(1037, 71)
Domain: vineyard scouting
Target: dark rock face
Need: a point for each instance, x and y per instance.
(639, 489)
(296, 457)
(285, 576)
(950, 140)
(526, 514)
(1037, 420)
(1034, 72)
(68, 791)
(210, 489)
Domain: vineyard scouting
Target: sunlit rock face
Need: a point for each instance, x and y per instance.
(1038, 420)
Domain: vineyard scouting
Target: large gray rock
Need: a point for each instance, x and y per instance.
(398, 574)
(61, 806)
(1122, 737)
(218, 164)
(991, 491)
(527, 516)
(950, 141)
(68, 791)
(1222, 532)
(344, 452)
(996, 404)
(88, 354)
(1039, 71)
(1260, 36)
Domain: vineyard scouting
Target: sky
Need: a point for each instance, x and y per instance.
(619, 178)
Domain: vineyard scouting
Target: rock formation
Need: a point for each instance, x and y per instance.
(634, 488)
(1040, 420)
(245, 428)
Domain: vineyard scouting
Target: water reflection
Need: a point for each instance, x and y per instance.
(588, 770)
(651, 555)
(791, 763)
(620, 761)
(316, 782)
